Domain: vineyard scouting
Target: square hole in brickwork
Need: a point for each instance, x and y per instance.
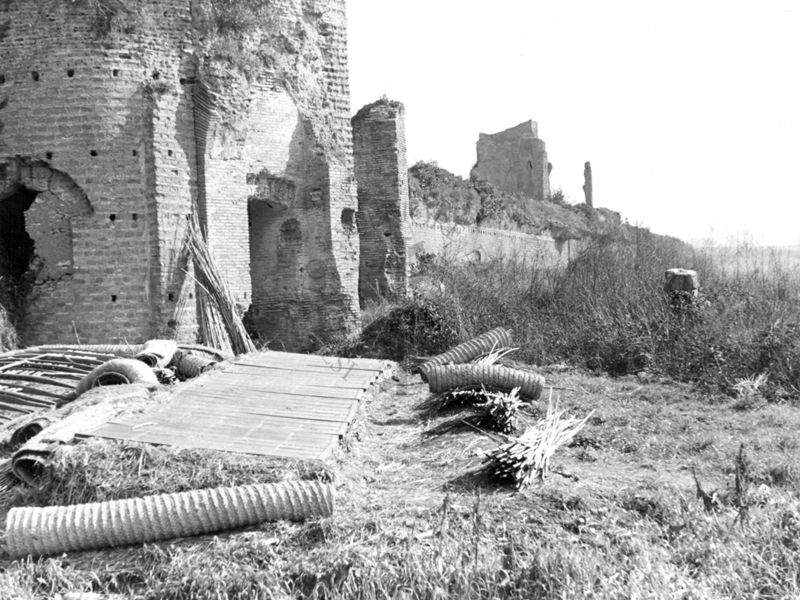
(156, 75)
(112, 217)
(93, 152)
(70, 72)
(171, 297)
(348, 218)
(135, 152)
(2, 79)
(115, 72)
(35, 75)
(135, 216)
(113, 297)
(48, 155)
(169, 152)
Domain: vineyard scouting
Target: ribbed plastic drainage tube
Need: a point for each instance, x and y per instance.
(443, 378)
(157, 353)
(494, 339)
(54, 529)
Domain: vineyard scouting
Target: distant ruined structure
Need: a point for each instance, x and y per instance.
(118, 125)
(515, 161)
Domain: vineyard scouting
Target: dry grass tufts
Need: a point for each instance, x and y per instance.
(97, 470)
(494, 357)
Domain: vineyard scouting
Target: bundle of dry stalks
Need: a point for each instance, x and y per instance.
(528, 456)
(494, 356)
(220, 324)
(500, 411)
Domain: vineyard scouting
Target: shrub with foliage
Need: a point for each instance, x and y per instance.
(421, 327)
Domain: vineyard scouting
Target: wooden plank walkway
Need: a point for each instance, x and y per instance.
(269, 403)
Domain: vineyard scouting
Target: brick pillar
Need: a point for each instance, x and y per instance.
(383, 219)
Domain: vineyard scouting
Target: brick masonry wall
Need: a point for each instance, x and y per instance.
(123, 114)
(76, 102)
(479, 244)
(278, 173)
(383, 215)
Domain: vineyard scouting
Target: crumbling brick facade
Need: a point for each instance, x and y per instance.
(515, 161)
(117, 125)
(383, 216)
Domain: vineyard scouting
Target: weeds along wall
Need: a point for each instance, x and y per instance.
(116, 123)
(478, 244)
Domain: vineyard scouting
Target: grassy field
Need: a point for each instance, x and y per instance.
(621, 516)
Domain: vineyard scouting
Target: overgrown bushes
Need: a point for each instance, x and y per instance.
(421, 327)
(607, 312)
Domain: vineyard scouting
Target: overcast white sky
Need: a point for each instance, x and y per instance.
(689, 110)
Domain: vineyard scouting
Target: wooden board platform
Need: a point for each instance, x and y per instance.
(269, 403)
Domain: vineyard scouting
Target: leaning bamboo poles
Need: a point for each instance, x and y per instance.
(220, 324)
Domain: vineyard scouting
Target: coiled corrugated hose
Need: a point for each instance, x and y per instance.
(497, 338)
(117, 371)
(189, 365)
(443, 378)
(157, 353)
(54, 529)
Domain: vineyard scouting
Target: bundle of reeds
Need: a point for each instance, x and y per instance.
(527, 457)
(220, 324)
(500, 411)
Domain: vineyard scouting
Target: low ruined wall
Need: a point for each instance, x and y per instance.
(479, 244)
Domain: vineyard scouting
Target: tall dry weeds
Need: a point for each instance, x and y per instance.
(607, 312)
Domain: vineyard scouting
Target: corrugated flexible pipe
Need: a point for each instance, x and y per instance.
(189, 365)
(497, 338)
(157, 353)
(34, 531)
(443, 378)
(219, 355)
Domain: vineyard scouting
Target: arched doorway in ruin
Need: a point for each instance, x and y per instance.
(37, 207)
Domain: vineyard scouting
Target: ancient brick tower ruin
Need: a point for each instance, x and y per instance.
(515, 161)
(118, 124)
(383, 216)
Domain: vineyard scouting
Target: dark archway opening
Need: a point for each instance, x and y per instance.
(16, 248)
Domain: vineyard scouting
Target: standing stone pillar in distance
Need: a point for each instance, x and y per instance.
(587, 182)
(379, 147)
